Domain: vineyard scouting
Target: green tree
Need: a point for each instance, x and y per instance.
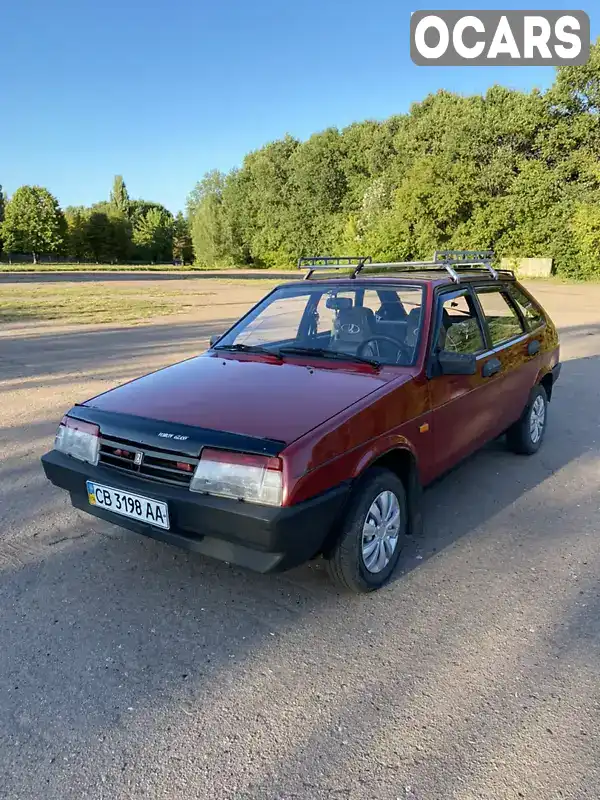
(119, 197)
(183, 249)
(139, 208)
(2, 204)
(514, 171)
(317, 188)
(153, 235)
(350, 241)
(99, 237)
(112, 233)
(77, 245)
(585, 226)
(257, 206)
(577, 88)
(33, 222)
(208, 221)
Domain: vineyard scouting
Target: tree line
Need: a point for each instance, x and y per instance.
(120, 230)
(511, 171)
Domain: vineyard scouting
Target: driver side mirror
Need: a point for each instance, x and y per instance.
(457, 363)
(214, 339)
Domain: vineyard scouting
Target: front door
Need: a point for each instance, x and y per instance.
(459, 403)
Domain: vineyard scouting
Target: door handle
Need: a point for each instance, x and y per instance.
(491, 367)
(533, 348)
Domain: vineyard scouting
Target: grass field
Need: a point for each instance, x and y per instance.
(85, 303)
(122, 302)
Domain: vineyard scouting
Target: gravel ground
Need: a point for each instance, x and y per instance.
(129, 669)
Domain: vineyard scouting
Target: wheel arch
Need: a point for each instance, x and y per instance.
(547, 382)
(403, 462)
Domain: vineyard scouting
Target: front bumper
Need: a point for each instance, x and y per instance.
(262, 538)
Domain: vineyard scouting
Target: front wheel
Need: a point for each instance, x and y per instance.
(373, 530)
(526, 436)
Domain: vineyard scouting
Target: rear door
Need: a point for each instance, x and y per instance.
(513, 355)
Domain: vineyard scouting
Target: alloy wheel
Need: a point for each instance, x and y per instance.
(381, 532)
(537, 419)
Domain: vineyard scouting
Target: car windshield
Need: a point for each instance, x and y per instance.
(378, 324)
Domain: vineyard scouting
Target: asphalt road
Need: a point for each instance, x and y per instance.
(132, 670)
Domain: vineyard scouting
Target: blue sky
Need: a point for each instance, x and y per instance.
(161, 92)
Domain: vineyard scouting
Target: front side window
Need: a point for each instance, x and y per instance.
(459, 326)
(381, 324)
(502, 320)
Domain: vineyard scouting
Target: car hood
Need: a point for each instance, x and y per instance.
(248, 395)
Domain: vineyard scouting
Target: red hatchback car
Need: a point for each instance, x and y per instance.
(311, 425)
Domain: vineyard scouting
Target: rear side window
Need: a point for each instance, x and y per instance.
(502, 320)
(529, 309)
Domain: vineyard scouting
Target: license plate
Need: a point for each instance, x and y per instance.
(128, 505)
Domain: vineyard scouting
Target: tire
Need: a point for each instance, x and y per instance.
(346, 563)
(525, 437)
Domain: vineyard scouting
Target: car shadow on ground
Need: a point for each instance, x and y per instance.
(71, 353)
(494, 478)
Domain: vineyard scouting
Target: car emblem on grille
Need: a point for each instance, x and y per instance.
(351, 328)
(139, 457)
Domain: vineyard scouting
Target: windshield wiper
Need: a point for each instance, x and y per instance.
(321, 352)
(247, 348)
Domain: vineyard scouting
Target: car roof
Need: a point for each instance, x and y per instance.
(432, 277)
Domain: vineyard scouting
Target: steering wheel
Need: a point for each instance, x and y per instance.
(373, 341)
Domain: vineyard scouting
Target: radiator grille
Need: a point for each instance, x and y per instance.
(155, 465)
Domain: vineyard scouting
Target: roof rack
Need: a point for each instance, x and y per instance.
(313, 263)
(450, 260)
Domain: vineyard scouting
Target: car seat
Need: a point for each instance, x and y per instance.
(351, 328)
(413, 324)
(391, 311)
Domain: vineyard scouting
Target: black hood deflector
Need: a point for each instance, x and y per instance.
(185, 439)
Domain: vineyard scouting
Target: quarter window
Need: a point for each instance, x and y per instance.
(502, 320)
(529, 309)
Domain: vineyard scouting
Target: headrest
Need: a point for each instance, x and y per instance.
(412, 326)
(354, 324)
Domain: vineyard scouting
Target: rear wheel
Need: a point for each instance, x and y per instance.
(526, 436)
(373, 531)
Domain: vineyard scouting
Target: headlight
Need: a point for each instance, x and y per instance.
(78, 439)
(255, 479)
